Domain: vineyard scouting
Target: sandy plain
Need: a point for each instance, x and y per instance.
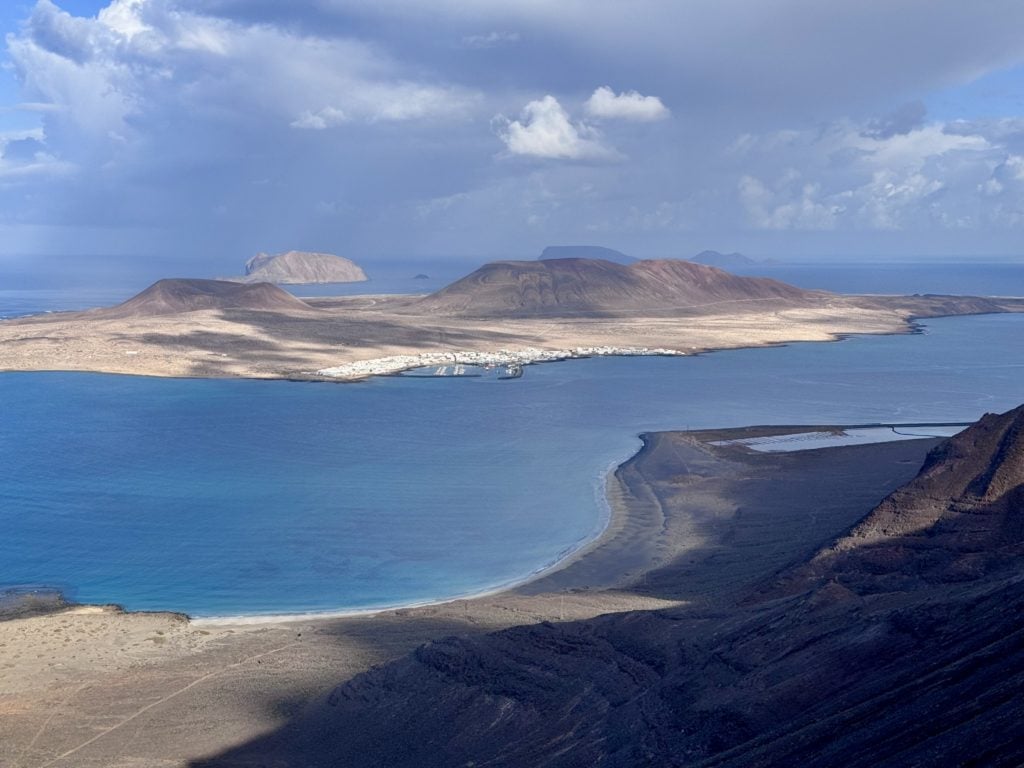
(693, 524)
(295, 344)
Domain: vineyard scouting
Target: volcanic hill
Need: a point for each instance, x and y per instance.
(852, 668)
(300, 268)
(577, 287)
(176, 295)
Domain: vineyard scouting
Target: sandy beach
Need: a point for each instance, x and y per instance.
(692, 524)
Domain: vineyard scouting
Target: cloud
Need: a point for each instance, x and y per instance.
(899, 122)
(138, 57)
(791, 204)
(605, 103)
(159, 117)
(854, 178)
(23, 149)
(545, 130)
(328, 117)
(490, 39)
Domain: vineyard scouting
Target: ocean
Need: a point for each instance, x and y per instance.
(258, 497)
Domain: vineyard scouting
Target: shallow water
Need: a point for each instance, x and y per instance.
(243, 497)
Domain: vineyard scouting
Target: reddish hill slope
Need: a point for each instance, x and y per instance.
(593, 286)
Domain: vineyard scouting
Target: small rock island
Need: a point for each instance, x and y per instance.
(301, 268)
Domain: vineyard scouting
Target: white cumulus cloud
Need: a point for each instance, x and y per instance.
(545, 130)
(605, 103)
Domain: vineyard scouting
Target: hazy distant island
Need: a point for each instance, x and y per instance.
(504, 312)
(729, 260)
(301, 268)
(733, 260)
(585, 252)
(421, 276)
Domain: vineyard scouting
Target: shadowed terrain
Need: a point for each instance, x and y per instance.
(867, 658)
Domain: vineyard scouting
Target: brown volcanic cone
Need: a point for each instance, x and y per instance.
(582, 286)
(174, 295)
(962, 517)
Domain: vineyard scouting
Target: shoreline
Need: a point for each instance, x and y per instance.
(609, 512)
(396, 364)
(693, 528)
(358, 371)
(345, 339)
(616, 513)
(911, 326)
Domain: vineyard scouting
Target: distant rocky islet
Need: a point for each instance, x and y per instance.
(301, 268)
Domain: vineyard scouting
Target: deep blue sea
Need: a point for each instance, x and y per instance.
(248, 497)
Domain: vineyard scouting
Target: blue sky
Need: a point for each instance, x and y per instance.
(202, 131)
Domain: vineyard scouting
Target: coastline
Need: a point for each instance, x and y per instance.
(346, 339)
(611, 514)
(394, 364)
(594, 563)
(363, 370)
(671, 540)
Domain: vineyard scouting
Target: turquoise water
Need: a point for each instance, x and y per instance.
(245, 497)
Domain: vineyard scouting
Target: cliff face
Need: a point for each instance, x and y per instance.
(175, 295)
(845, 670)
(960, 519)
(592, 286)
(298, 267)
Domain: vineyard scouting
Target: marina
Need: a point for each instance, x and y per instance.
(458, 370)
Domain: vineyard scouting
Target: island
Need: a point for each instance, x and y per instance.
(585, 252)
(507, 312)
(728, 260)
(301, 268)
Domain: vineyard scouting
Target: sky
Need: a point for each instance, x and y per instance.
(199, 132)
